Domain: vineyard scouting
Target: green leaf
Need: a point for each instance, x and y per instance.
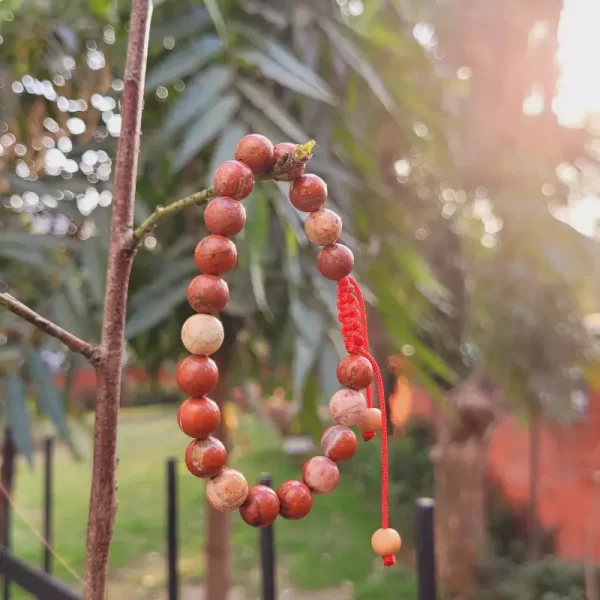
(327, 367)
(225, 147)
(156, 310)
(32, 240)
(48, 396)
(17, 415)
(217, 19)
(181, 26)
(178, 64)
(353, 57)
(94, 258)
(279, 73)
(206, 128)
(197, 96)
(257, 235)
(271, 107)
(31, 256)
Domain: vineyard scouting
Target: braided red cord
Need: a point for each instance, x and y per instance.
(352, 315)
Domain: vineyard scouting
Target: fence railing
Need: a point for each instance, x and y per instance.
(40, 584)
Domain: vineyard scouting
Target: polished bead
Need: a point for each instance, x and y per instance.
(386, 542)
(256, 151)
(227, 491)
(208, 293)
(234, 179)
(347, 407)
(205, 458)
(323, 227)
(215, 255)
(321, 475)
(280, 153)
(335, 261)
(225, 216)
(197, 375)
(339, 443)
(308, 193)
(295, 499)
(261, 507)
(198, 417)
(370, 421)
(202, 334)
(355, 371)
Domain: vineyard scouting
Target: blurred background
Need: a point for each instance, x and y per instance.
(460, 141)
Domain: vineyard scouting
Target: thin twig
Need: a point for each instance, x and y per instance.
(91, 352)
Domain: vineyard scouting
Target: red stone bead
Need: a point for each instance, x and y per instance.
(198, 417)
(370, 422)
(279, 152)
(261, 507)
(197, 375)
(205, 458)
(355, 371)
(308, 193)
(323, 227)
(339, 443)
(227, 490)
(225, 216)
(256, 151)
(347, 407)
(234, 179)
(215, 255)
(208, 293)
(321, 475)
(335, 261)
(295, 499)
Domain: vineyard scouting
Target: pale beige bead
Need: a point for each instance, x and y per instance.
(227, 491)
(370, 421)
(347, 407)
(386, 542)
(202, 334)
(323, 227)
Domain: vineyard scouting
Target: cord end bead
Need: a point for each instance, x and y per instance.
(368, 436)
(389, 560)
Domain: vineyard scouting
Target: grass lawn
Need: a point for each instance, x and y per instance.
(329, 548)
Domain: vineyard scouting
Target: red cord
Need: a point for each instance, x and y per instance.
(352, 315)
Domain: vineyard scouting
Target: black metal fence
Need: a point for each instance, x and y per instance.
(42, 585)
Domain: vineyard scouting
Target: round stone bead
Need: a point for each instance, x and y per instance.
(197, 375)
(370, 421)
(323, 227)
(308, 193)
(225, 216)
(339, 443)
(295, 499)
(208, 293)
(234, 179)
(215, 255)
(279, 152)
(335, 261)
(256, 151)
(355, 371)
(205, 458)
(202, 334)
(261, 507)
(198, 417)
(347, 407)
(321, 475)
(227, 491)
(386, 542)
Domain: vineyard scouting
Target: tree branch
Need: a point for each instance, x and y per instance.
(91, 352)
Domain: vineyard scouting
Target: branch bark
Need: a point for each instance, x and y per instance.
(91, 352)
(103, 500)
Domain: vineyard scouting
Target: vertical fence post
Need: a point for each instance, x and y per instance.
(267, 552)
(173, 574)
(426, 574)
(48, 486)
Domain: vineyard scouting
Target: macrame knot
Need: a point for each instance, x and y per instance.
(350, 318)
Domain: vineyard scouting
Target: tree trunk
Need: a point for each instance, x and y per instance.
(218, 524)
(7, 476)
(534, 468)
(460, 460)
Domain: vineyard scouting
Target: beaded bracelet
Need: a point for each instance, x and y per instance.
(202, 334)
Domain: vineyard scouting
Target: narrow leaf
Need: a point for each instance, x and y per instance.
(218, 21)
(257, 234)
(178, 64)
(207, 127)
(93, 255)
(327, 367)
(17, 415)
(271, 107)
(32, 240)
(181, 26)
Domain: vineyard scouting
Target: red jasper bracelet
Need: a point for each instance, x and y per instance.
(202, 334)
